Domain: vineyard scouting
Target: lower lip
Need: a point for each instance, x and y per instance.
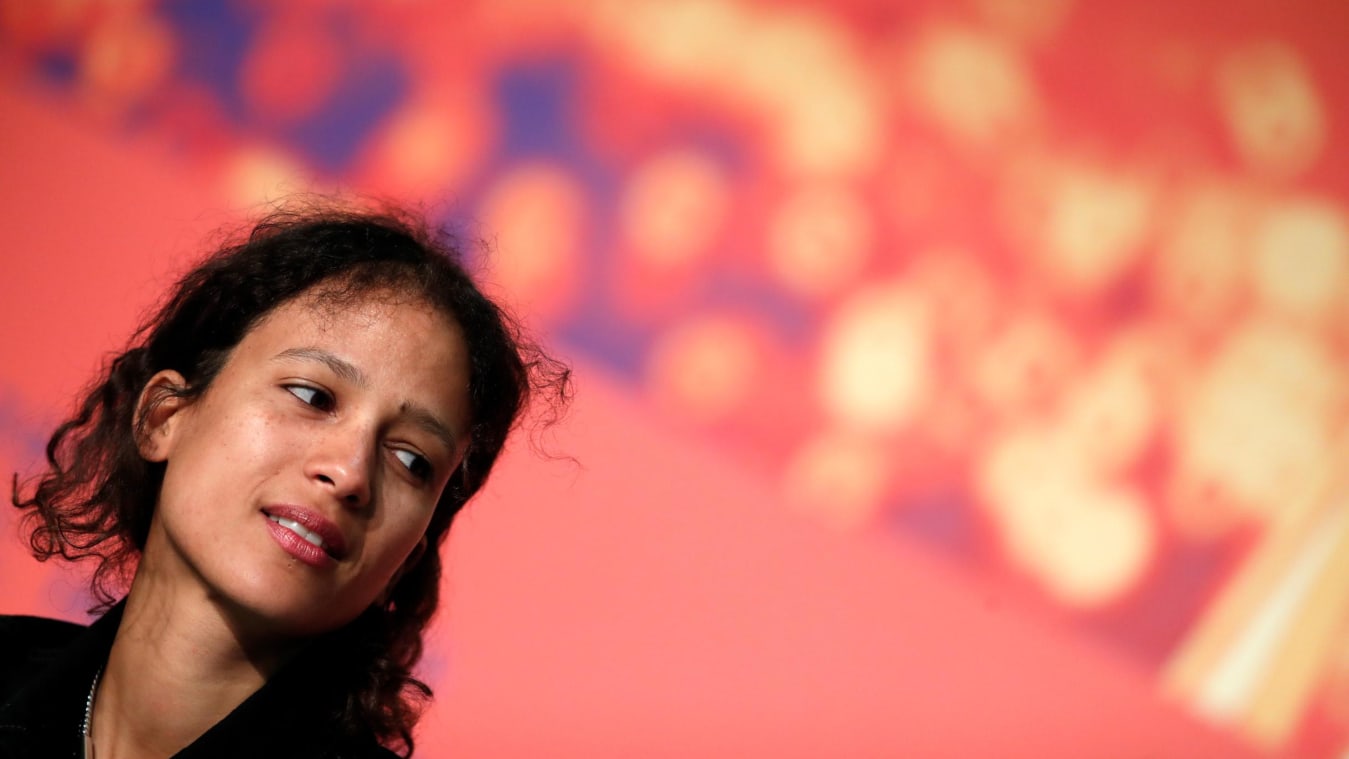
(298, 547)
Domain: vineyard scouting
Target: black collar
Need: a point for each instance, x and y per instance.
(296, 713)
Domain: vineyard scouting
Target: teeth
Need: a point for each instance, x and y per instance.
(298, 529)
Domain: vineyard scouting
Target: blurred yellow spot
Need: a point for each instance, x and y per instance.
(819, 239)
(674, 207)
(875, 371)
(1199, 274)
(1089, 546)
(1025, 365)
(1110, 413)
(1025, 464)
(832, 127)
(803, 70)
(839, 479)
(429, 147)
(261, 176)
(1272, 109)
(1302, 258)
(125, 58)
(1087, 543)
(973, 86)
(686, 43)
(537, 214)
(1097, 223)
(797, 69)
(705, 369)
(1260, 418)
(782, 52)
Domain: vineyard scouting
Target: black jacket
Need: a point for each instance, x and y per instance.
(47, 667)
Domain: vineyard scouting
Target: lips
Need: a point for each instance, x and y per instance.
(310, 526)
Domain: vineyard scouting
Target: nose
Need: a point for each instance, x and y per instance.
(341, 464)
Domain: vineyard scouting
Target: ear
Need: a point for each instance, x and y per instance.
(158, 414)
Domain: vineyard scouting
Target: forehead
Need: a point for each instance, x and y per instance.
(338, 301)
(334, 308)
(381, 329)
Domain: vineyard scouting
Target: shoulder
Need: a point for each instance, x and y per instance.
(20, 629)
(371, 750)
(28, 644)
(28, 637)
(24, 632)
(364, 748)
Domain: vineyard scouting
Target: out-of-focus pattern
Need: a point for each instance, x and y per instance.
(1060, 288)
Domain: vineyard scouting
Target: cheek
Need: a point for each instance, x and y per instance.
(408, 537)
(396, 545)
(224, 456)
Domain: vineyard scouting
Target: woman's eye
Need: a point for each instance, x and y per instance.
(417, 465)
(311, 396)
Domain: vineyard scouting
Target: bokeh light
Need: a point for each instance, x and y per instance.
(1052, 294)
(1301, 253)
(972, 85)
(875, 368)
(1087, 541)
(819, 240)
(1273, 113)
(1199, 277)
(840, 479)
(674, 209)
(125, 59)
(537, 216)
(703, 370)
(1259, 418)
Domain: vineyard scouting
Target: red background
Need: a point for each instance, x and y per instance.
(954, 379)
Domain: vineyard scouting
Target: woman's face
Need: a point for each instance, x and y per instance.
(302, 479)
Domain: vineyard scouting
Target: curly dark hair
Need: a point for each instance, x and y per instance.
(98, 495)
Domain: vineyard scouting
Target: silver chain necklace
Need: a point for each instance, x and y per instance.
(85, 726)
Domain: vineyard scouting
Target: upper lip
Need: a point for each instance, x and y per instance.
(334, 543)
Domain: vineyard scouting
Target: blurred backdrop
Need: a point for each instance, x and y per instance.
(956, 378)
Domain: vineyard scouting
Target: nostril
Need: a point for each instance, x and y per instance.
(350, 490)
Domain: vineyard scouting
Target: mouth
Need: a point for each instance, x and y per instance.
(311, 527)
(298, 529)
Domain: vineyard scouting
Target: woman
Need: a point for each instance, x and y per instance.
(274, 464)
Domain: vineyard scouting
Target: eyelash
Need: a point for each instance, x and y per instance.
(321, 400)
(419, 467)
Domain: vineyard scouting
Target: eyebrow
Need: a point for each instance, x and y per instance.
(339, 366)
(426, 420)
(349, 372)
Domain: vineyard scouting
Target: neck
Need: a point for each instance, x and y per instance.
(178, 665)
